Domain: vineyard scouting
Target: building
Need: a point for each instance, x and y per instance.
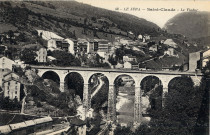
(83, 46)
(198, 60)
(11, 85)
(153, 48)
(170, 43)
(72, 43)
(140, 37)
(20, 63)
(129, 58)
(47, 35)
(194, 61)
(93, 45)
(81, 113)
(51, 43)
(6, 63)
(56, 43)
(41, 54)
(39, 50)
(103, 45)
(170, 52)
(131, 65)
(66, 45)
(50, 58)
(100, 46)
(147, 37)
(205, 57)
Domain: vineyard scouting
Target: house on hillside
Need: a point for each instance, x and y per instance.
(140, 37)
(83, 46)
(129, 58)
(6, 65)
(72, 45)
(131, 65)
(41, 54)
(144, 38)
(47, 35)
(39, 50)
(103, 45)
(153, 48)
(147, 37)
(171, 52)
(11, 85)
(205, 57)
(55, 43)
(170, 43)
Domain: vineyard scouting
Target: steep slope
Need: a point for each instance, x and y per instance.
(124, 21)
(71, 19)
(190, 24)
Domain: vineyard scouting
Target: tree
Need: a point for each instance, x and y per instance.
(123, 131)
(65, 59)
(28, 56)
(181, 109)
(93, 19)
(10, 34)
(35, 33)
(112, 60)
(85, 21)
(202, 123)
(2, 49)
(120, 52)
(22, 37)
(95, 33)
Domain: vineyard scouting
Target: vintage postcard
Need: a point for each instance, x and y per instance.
(104, 67)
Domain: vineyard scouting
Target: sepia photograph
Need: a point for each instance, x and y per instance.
(104, 67)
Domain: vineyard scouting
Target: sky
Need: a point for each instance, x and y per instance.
(140, 9)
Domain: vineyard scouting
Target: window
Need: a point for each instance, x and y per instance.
(15, 92)
(16, 82)
(8, 83)
(15, 87)
(8, 92)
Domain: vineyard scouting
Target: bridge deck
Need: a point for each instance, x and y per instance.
(118, 70)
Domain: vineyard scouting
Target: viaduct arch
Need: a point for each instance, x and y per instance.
(112, 74)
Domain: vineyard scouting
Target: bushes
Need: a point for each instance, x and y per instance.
(9, 104)
(65, 59)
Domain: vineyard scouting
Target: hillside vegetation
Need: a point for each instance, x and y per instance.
(71, 19)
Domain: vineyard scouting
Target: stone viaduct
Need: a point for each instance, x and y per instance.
(164, 76)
